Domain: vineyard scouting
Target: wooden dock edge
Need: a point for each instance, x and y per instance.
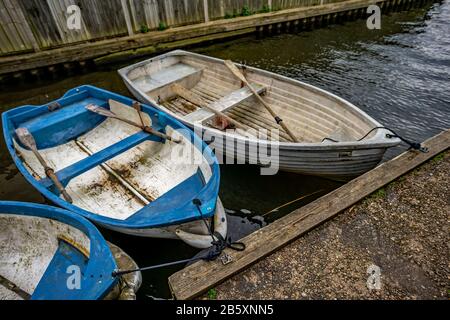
(173, 37)
(202, 276)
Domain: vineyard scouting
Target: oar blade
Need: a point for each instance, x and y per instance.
(101, 111)
(26, 138)
(235, 70)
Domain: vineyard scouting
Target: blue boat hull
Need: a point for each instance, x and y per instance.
(52, 254)
(64, 125)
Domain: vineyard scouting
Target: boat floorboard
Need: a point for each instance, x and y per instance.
(242, 112)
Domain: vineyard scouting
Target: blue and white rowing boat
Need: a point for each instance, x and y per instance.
(48, 253)
(124, 166)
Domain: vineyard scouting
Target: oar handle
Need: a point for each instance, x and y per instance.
(161, 135)
(51, 174)
(149, 130)
(108, 113)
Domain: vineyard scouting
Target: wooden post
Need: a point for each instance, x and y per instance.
(222, 8)
(126, 14)
(206, 10)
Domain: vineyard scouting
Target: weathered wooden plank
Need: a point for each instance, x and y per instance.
(104, 19)
(5, 44)
(221, 8)
(41, 23)
(213, 29)
(288, 4)
(58, 10)
(12, 35)
(206, 10)
(180, 12)
(144, 14)
(224, 104)
(199, 277)
(10, 30)
(22, 24)
(127, 16)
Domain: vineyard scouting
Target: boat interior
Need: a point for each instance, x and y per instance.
(33, 253)
(109, 167)
(313, 115)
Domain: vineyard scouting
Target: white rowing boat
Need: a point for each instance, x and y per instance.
(333, 138)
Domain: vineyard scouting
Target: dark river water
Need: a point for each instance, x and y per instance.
(400, 75)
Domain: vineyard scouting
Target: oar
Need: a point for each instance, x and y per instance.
(241, 77)
(108, 113)
(27, 139)
(14, 288)
(189, 96)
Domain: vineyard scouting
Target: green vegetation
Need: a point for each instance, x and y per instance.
(232, 15)
(265, 9)
(212, 294)
(245, 12)
(162, 26)
(144, 28)
(438, 158)
(381, 193)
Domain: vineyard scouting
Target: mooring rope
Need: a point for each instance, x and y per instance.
(221, 243)
(218, 246)
(292, 202)
(413, 145)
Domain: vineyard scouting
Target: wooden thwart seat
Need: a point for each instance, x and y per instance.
(67, 174)
(222, 105)
(157, 85)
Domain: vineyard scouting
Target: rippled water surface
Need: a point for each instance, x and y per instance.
(400, 75)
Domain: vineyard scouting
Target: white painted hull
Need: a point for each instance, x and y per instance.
(313, 114)
(342, 163)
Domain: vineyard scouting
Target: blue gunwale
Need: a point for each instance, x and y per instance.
(159, 213)
(31, 112)
(97, 280)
